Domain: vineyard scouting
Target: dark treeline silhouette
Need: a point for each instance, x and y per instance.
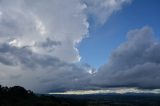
(19, 96)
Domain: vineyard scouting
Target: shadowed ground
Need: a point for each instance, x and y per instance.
(19, 96)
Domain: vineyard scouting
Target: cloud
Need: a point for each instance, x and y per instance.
(38, 42)
(135, 63)
(108, 91)
(40, 73)
(101, 10)
(30, 22)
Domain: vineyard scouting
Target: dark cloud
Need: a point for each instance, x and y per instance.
(38, 42)
(38, 47)
(49, 45)
(135, 63)
(49, 73)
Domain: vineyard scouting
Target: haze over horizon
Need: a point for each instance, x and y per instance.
(80, 45)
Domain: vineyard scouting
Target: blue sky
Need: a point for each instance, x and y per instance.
(103, 39)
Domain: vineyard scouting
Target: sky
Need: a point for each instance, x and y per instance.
(109, 35)
(73, 45)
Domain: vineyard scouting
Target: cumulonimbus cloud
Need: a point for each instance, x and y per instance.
(27, 22)
(38, 42)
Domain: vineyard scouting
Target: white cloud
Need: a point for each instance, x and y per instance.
(38, 40)
(30, 22)
(103, 9)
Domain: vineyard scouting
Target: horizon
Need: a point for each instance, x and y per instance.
(108, 91)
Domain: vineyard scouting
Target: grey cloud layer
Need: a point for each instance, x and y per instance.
(38, 42)
(42, 73)
(135, 63)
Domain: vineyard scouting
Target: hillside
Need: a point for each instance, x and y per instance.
(19, 96)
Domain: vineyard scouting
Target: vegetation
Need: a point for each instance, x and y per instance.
(19, 96)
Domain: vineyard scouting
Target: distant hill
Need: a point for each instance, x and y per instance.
(19, 96)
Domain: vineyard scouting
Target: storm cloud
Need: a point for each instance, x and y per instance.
(135, 63)
(42, 73)
(38, 42)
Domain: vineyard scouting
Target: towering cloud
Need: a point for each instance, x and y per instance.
(28, 23)
(135, 63)
(38, 40)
